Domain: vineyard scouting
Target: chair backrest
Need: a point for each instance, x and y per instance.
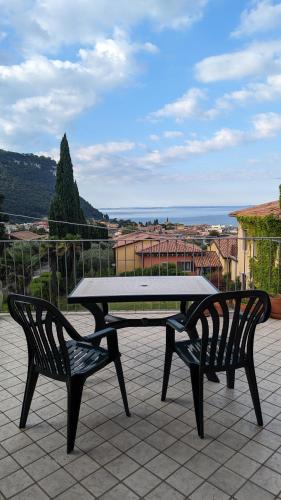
(228, 323)
(44, 326)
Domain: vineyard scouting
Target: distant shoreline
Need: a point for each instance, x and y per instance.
(171, 206)
(188, 215)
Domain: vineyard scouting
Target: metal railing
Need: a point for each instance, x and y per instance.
(51, 268)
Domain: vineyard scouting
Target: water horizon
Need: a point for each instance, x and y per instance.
(185, 214)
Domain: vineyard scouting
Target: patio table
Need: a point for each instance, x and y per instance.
(95, 294)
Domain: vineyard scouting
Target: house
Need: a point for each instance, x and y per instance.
(126, 247)
(41, 224)
(144, 250)
(246, 248)
(25, 236)
(226, 249)
(188, 257)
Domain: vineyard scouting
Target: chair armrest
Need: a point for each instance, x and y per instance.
(85, 344)
(179, 327)
(99, 335)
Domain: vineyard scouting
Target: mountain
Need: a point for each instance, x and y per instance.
(28, 181)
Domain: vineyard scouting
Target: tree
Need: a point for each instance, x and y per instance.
(3, 218)
(65, 204)
(214, 232)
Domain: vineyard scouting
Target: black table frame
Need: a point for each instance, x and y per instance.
(99, 309)
(98, 306)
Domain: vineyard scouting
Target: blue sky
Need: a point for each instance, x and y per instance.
(164, 103)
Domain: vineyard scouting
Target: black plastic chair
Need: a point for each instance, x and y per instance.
(71, 361)
(225, 343)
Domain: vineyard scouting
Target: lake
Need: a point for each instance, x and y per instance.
(183, 214)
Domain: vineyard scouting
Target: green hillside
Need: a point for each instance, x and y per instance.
(28, 182)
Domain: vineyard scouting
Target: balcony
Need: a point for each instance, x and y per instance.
(50, 269)
(156, 453)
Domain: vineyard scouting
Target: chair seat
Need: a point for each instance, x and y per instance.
(83, 358)
(190, 351)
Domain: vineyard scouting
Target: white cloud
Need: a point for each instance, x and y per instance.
(267, 125)
(167, 134)
(255, 59)
(47, 25)
(172, 134)
(42, 95)
(266, 91)
(123, 160)
(53, 153)
(222, 139)
(149, 47)
(108, 148)
(264, 15)
(264, 126)
(47, 93)
(185, 107)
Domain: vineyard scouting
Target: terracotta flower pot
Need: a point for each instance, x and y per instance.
(217, 307)
(243, 307)
(275, 307)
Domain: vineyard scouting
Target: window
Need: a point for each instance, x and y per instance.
(184, 266)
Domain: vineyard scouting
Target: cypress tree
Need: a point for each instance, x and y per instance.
(65, 204)
(3, 218)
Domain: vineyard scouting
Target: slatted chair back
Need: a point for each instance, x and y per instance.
(228, 322)
(44, 326)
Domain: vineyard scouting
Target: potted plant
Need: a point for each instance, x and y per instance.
(275, 301)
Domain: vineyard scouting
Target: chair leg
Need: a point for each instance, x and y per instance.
(74, 397)
(230, 378)
(197, 390)
(252, 381)
(120, 376)
(31, 381)
(170, 344)
(167, 370)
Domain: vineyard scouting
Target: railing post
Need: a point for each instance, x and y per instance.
(40, 268)
(66, 273)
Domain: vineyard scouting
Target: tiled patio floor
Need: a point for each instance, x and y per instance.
(156, 453)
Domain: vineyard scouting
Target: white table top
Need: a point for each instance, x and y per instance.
(139, 288)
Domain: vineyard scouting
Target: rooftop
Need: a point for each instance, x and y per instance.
(171, 246)
(270, 208)
(227, 247)
(207, 259)
(155, 454)
(25, 236)
(126, 239)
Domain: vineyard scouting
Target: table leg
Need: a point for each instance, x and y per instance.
(183, 306)
(98, 311)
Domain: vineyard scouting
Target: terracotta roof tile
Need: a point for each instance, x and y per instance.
(208, 259)
(171, 247)
(126, 239)
(227, 247)
(25, 235)
(271, 208)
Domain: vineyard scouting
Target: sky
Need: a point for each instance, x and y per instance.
(164, 102)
